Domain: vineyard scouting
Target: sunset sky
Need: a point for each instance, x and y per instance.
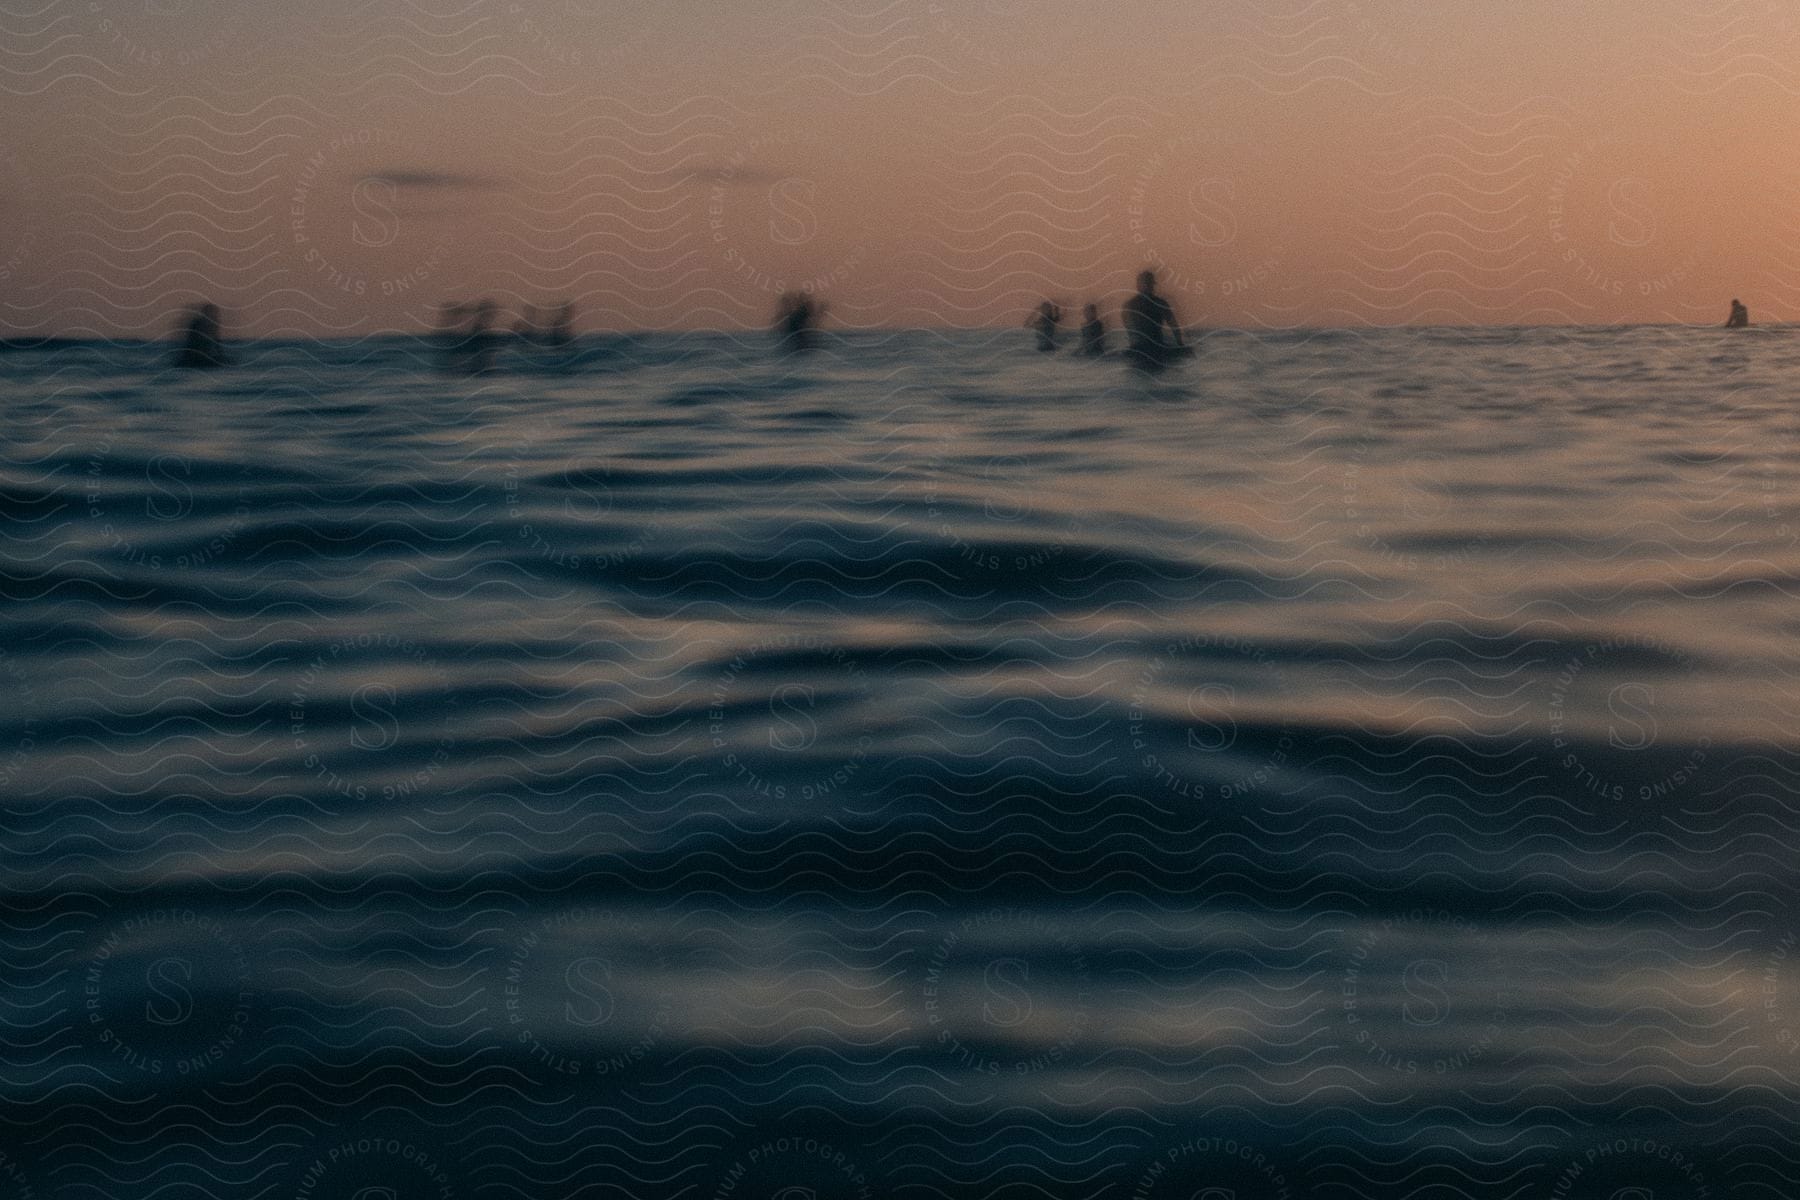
(343, 167)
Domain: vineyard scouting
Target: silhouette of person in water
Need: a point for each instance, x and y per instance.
(562, 325)
(797, 316)
(202, 346)
(480, 344)
(1146, 316)
(1093, 332)
(1045, 321)
(470, 349)
(1740, 316)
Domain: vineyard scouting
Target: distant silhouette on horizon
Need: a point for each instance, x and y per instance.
(545, 326)
(202, 345)
(469, 348)
(561, 330)
(1045, 322)
(1146, 315)
(1093, 332)
(797, 316)
(1740, 316)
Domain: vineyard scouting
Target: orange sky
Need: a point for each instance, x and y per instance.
(675, 164)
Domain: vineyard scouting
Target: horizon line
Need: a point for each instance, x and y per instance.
(28, 340)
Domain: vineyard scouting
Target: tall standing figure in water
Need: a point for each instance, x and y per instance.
(1146, 316)
(202, 345)
(1093, 332)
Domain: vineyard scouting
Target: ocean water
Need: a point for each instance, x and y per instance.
(1351, 764)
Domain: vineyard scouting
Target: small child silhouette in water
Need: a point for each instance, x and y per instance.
(1740, 316)
(1045, 321)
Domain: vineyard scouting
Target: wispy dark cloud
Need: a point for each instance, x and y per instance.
(406, 177)
(742, 174)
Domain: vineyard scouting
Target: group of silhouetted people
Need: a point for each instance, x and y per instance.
(1153, 337)
(470, 340)
(546, 326)
(467, 333)
(470, 337)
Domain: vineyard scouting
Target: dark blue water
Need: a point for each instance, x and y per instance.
(1351, 765)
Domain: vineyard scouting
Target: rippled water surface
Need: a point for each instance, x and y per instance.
(1354, 764)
